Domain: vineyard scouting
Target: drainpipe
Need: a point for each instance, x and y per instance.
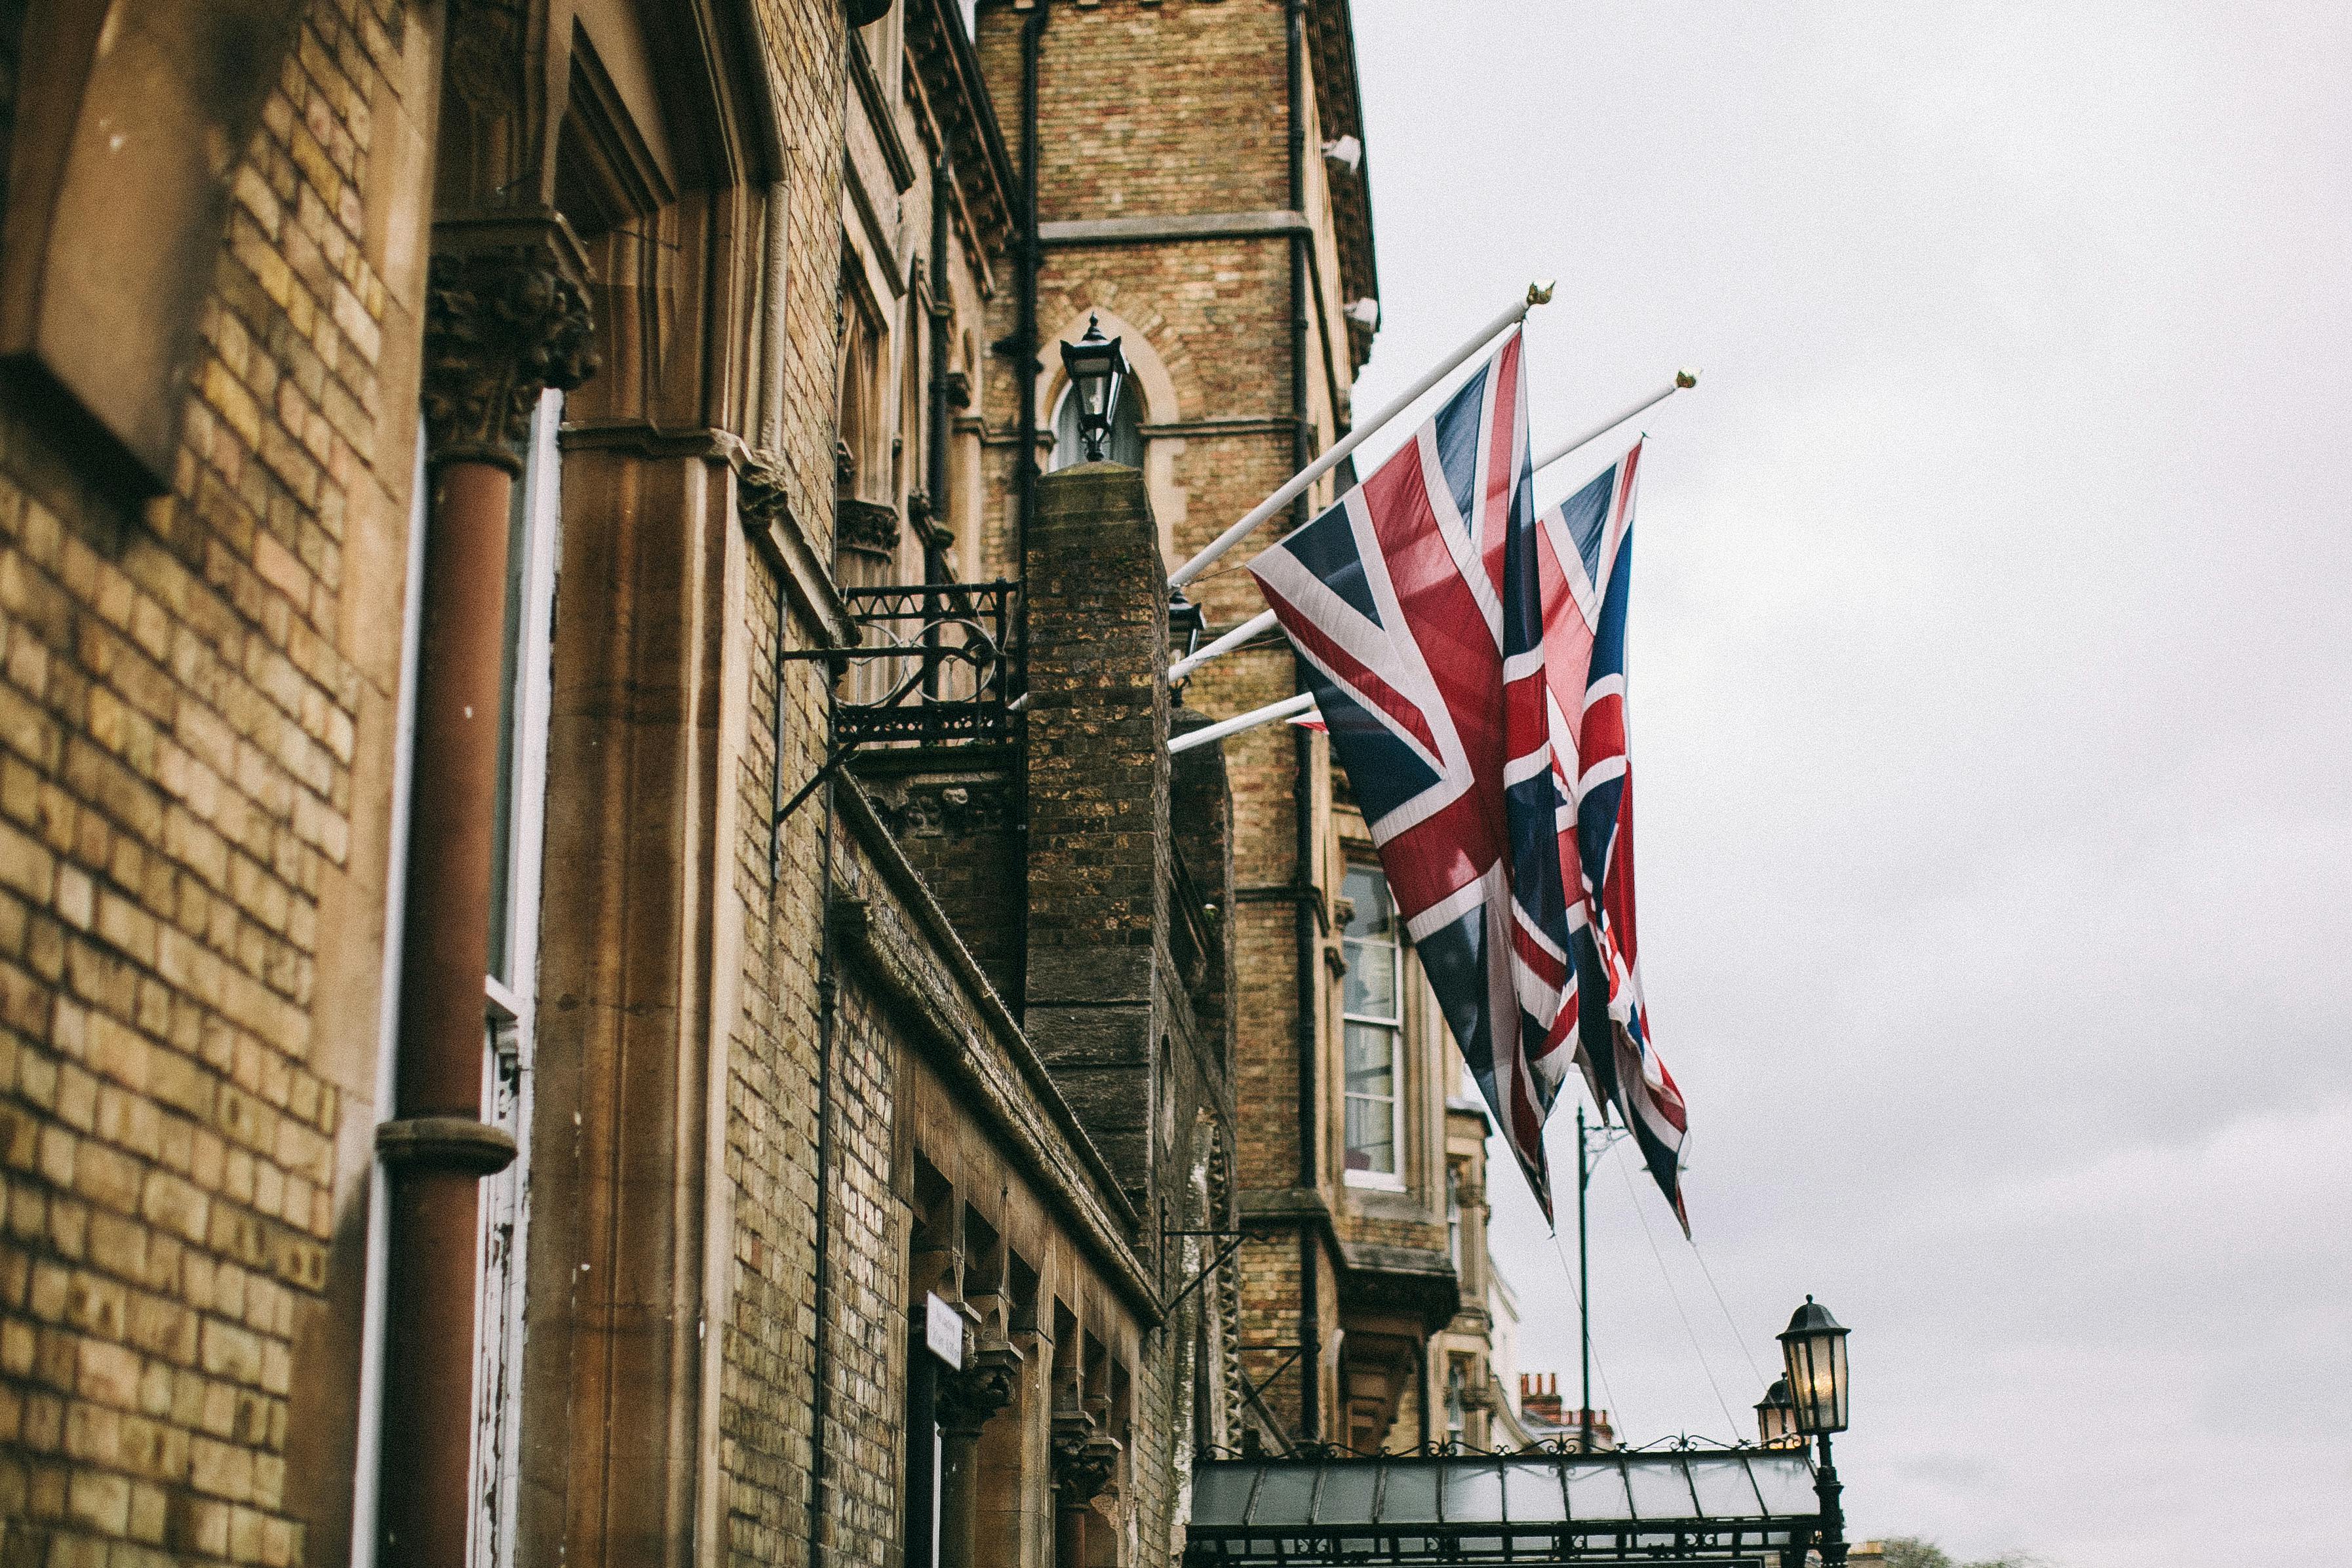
(820, 1341)
(1428, 1394)
(935, 468)
(1025, 464)
(502, 323)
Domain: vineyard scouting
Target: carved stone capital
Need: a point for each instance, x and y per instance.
(1083, 1460)
(506, 317)
(966, 1399)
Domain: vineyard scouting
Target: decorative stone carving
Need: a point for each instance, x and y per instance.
(868, 527)
(966, 1399)
(504, 320)
(953, 807)
(763, 491)
(1083, 1460)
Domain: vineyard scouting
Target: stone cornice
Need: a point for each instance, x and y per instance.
(947, 71)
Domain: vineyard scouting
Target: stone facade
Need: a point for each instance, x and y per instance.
(450, 1109)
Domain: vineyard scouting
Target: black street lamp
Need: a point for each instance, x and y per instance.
(1776, 1417)
(1813, 1348)
(1097, 372)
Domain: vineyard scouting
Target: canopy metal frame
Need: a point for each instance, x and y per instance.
(1745, 1507)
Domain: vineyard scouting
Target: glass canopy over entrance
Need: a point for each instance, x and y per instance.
(1714, 1506)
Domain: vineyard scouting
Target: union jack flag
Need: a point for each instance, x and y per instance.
(1468, 660)
(1413, 602)
(1584, 563)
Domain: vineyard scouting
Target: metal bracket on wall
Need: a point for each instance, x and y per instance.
(951, 673)
(1233, 1245)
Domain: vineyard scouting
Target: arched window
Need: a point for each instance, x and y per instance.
(1126, 442)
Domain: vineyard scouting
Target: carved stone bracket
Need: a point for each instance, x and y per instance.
(763, 490)
(966, 1399)
(956, 806)
(1084, 1461)
(506, 317)
(868, 526)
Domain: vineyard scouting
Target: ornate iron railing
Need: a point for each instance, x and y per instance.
(935, 664)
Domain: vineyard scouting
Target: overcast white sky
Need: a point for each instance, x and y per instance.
(1991, 705)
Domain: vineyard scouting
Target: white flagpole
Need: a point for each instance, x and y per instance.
(1538, 293)
(1263, 622)
(1257, 625)
(1683, 379)
(1249, 720)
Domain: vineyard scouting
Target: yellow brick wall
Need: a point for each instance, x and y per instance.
(194, 763)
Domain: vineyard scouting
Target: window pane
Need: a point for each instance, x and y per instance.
(1375, 915)
(1371, 1135)
(1371, 947)
(1371, 1060)
(1372, 980)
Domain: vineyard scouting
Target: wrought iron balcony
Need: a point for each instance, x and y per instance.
(936, 665)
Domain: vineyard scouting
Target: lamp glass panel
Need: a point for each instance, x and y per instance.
(1816, 1365)
(1089, 379)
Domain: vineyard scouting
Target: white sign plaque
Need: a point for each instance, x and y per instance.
(943, 1330)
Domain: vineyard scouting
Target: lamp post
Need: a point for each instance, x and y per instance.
(1097, 372)
(1812, 1349)
(1776, 1417)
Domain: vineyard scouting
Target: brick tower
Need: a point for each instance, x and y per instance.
(1201, 191)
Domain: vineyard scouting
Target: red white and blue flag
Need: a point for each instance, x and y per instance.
(1453, 642)
(1584, 561)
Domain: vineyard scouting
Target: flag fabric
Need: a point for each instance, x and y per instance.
(1467, 659)
(1412, 603)
(1584, 565)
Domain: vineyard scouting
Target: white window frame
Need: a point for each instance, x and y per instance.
(1383, 1180)
(367, 1480)
(510, 1009)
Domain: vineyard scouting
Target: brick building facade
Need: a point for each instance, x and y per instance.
(1202, 194)
(463, 469)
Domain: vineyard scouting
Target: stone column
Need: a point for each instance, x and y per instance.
(1083, 1462)
(506, 318)
(964, 1403)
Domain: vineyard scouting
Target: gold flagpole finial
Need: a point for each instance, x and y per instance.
(1539, 291)
(1685, 379)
